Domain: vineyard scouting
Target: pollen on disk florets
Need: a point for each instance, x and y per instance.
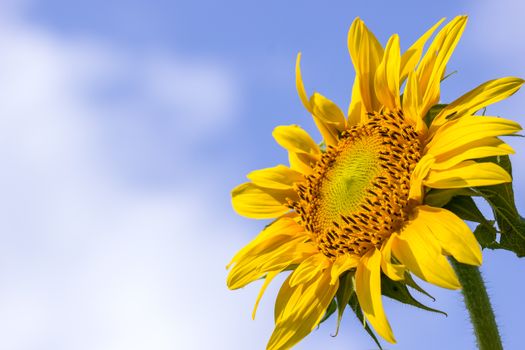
(358, 193)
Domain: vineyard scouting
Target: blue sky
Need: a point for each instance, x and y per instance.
(126, 124)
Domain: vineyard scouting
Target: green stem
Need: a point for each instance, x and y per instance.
(478, 305)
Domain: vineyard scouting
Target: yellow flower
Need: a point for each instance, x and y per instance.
(358, 205)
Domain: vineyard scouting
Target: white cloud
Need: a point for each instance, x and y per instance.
(203, 96)
(87, 261)
(49, 85)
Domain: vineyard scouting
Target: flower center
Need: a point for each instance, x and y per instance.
(358, 193)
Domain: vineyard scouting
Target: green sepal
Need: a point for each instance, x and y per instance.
(343, 295)
(346, 295)
(448, 75)
(409, 281)
(398, 290)
(329, 311)
(439, 198)
(354, 305)
(432, 113)
(322, 146)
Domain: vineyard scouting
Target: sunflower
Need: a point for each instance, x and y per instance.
(357, 203)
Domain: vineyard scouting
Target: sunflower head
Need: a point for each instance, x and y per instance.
(354, 212)
(358, 193)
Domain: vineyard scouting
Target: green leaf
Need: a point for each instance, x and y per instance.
(486, 235)
(466, 209)
(514, 242)
(501, 199)
(398, 290)
(354, 305)
(344, 292)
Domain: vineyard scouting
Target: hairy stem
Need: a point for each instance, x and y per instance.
(478, 305)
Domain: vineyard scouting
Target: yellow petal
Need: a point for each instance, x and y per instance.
(283, 297)
(467, 174)
(328, 132)
(387, 75)
(366, 53)
(294, 139)
(308, 269)
(267, 280)
(303, 152)
(412, 104)
(257, 202)
(418, 175)
(417, 248)
(299, 310)
(300, 85)
(302, 162)
(468, 129)
(280, 177)
(326, 114)
(452, 233)
(278, 258)
(487, 147)
(356, 110)
(341, 264)
(486, 94)
(433, 64)
(411, 57)
(328, 111)
(274, 235)
(394, 271)
(330, 116)
(368, 289)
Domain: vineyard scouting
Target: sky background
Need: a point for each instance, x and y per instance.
(124, 126)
